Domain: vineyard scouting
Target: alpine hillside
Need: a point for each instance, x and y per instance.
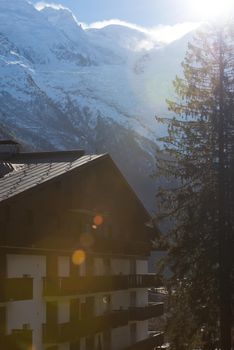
(63, 87)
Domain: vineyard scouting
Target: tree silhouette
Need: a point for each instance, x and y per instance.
(198, 155)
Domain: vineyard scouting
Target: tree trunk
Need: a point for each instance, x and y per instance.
(224, 261)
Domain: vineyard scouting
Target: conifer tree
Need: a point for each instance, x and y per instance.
(198, 155)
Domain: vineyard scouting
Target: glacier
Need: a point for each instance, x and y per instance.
(65, 87)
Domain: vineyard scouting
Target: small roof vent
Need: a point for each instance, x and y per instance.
(8, 148)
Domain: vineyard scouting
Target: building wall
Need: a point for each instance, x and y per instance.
(31, 312)
(54, 215)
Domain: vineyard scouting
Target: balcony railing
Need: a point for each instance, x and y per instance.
(13, 289)
(146, 312)
(18, 339)
(63, 286)
(152, 342)
(143, 281)
(65, 332)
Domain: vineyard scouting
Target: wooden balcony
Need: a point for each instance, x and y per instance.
(90, 326)
(13, 289)
(146, 312)
(143, 281)
(150, 343)
(65, 286)
(68, 332)
(17, 340)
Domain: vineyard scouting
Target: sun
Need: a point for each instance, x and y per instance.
(208, 9)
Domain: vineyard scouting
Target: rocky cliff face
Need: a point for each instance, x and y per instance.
(62, 87)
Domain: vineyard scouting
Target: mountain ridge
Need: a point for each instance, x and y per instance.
(64, 87)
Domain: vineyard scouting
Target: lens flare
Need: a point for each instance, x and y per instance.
(78, 257)
(98, 220)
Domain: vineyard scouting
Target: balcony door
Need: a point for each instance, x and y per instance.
(74, 310)
(133, 299)
(87, 308)
(52, 312)
(132, 267)
(52, 266)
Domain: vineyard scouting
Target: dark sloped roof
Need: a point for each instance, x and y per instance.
(40, 157)
(8, 142)
(25, 176)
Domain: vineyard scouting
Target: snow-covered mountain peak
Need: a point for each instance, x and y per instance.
(40, 39)
(97, 89)
(56, 15)
(25, 27)
(64, 20)
(124, 37)
(61, 17)
(119, 31)
(21, 8)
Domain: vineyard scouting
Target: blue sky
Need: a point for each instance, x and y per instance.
(162, 20)
(141, 12)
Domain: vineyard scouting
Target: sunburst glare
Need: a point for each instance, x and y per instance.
(209, 9)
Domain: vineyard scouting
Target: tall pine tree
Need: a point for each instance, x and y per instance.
(198, 155)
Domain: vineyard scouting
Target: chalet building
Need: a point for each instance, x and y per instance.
(74, 243)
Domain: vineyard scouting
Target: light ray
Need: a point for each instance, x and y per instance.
(210, 9)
